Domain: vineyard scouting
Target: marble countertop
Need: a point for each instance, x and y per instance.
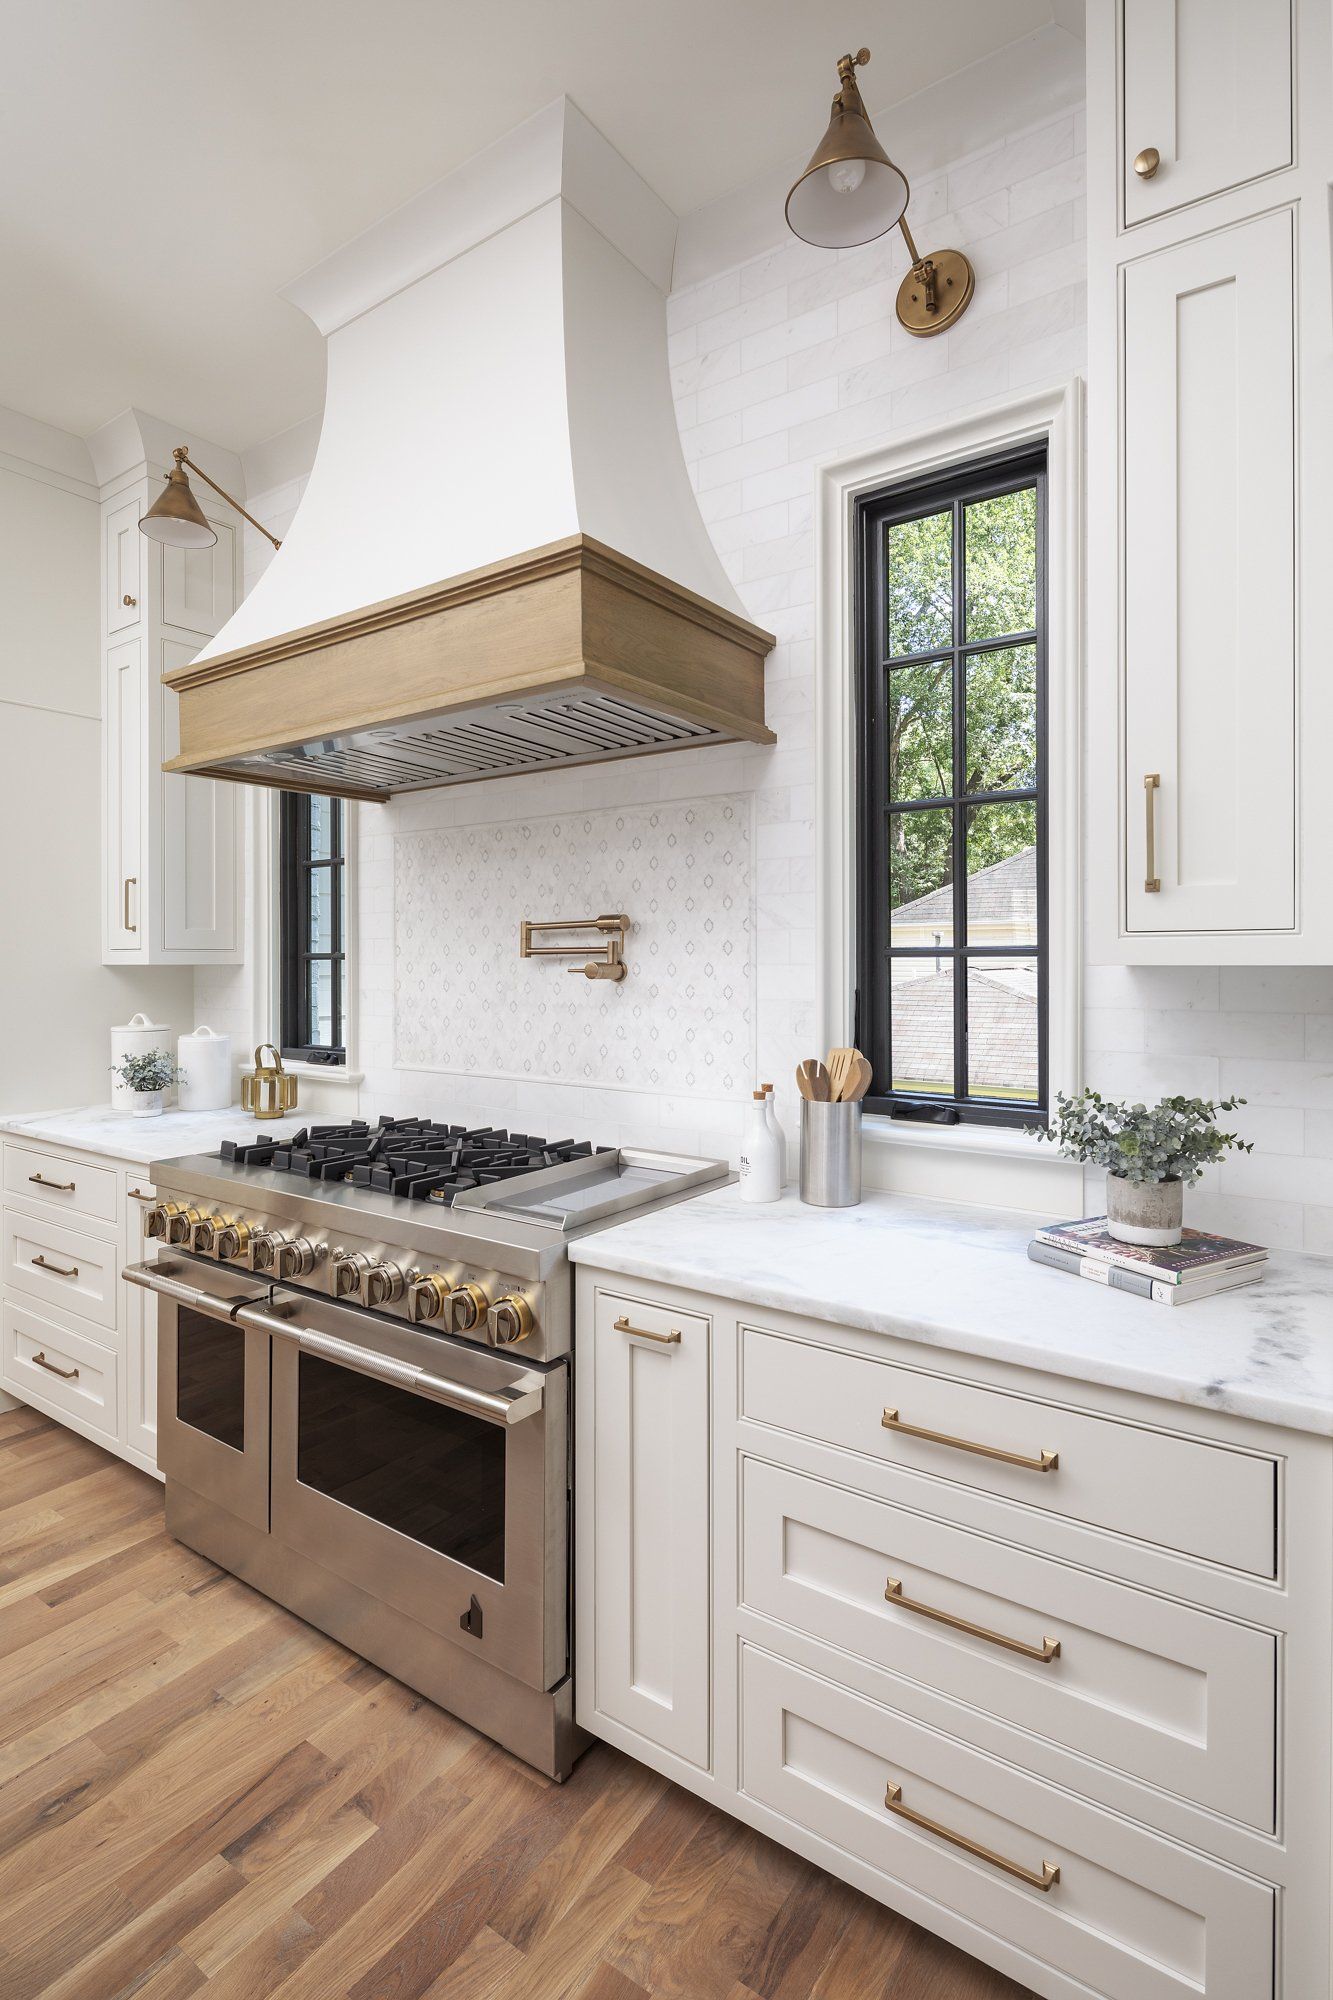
(961, 1278)
(119, 1135)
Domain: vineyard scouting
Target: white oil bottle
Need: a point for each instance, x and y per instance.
(776, 1129)
(761, 1154)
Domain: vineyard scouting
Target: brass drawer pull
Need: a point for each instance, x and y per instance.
(61, 1187)
(1050, 1871)
(137, 1194)
(65, 1374)
(1048, 1650)
(1152, 884)
(671, 1339)
(1045, 1461)
(131, 881)
(57, 1270)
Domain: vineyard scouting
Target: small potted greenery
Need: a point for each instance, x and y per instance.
(148, 1077)
(1151, 1154)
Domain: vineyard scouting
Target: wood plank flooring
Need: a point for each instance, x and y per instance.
(200, 1794)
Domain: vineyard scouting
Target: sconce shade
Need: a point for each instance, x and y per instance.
(851, 191)
(176, 517)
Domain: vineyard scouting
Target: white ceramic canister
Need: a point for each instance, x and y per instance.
(205, 1060)
(136, 1038)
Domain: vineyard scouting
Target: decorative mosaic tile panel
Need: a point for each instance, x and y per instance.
(682, 1022)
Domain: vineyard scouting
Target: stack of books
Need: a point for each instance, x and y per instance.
(1197, 1267)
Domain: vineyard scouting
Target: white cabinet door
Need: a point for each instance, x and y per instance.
(1208, 85)
(199, 585)
(124, 558)
(642, 1505)
(1209, 583)
(140, 1325)
(123, 855)
(200, 842)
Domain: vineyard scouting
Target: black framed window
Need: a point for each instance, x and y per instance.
(951, 794)
(312, 867)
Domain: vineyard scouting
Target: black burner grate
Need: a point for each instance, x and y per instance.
(416, 1158)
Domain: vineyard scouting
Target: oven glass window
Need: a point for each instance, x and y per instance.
(210, 1377)
(432, 1474)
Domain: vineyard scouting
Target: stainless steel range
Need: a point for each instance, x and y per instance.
(364, 1352)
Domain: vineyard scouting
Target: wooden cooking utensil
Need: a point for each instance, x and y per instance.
(812, 1080)
(860, 1076)
(841, 1064)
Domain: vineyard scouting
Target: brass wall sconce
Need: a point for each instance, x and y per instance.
(176, 517)
(852, 192)
(607, 961)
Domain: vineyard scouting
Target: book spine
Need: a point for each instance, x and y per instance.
(1137, 1281)
(1123, 1261)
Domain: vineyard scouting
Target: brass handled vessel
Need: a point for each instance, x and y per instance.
(1045, 1880)
(268, 1091)
(671, 1339)
(1045, 1461)
(1048, 1650)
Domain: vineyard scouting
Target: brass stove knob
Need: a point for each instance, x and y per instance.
(467, 1308)
(157, 1219)
(428, 1297)
(231, 1239)
(382, 1284)
(509, 1319)
(347, 1272)
(181, 1223)
(203, 1234)
(295, 1257)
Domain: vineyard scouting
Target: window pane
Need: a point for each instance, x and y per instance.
(325, 886)
(321, 1004)
(921, 1026)
(1002, 874)
(324, 830)
(921, 877)
(920, 723)
(1000, 536)
(1002, 720)
(920, 584)
(1002, 1029)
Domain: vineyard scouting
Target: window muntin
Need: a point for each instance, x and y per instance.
(951, 815)
(312, 875)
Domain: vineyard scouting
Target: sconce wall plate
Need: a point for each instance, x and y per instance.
(947, 278)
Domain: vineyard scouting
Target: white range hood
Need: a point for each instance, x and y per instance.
(498, 563)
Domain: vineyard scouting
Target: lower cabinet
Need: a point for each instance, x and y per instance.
(76, 1341)
(1081, 1736)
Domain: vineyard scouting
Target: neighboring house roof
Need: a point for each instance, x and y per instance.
(1002, 1031)
(1004, 893)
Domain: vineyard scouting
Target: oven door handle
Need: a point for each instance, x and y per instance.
(510, 1405)
(153, 1278)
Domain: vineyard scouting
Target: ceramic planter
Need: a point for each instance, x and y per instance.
(147, 1103)
(1144, 1211)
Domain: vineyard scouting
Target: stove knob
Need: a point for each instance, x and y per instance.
(232, 1239)
(203, 1234)
(263, 1250)
(467, 1308)
(509, 1319)
(180, 1225)
(346, 1272)
(381, 1285)
(428, 1297)
(157, 1219)
(296, 1257)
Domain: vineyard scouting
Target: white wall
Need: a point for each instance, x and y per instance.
(57, 1000)
(788, 358)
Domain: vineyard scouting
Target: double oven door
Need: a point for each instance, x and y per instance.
(430, 1474)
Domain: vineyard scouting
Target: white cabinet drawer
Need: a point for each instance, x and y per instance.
(57, 1369)
(1177, 1493)
(1173, 1696)
(64, 1267)
(1132, 1916)
(68, 1188)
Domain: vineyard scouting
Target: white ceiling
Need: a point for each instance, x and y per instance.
(166, 165)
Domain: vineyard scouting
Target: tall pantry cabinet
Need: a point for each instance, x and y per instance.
(1210, 155)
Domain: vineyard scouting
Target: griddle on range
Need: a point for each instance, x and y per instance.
(414, 1157)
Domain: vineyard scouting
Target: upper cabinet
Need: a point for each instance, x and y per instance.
(172, 846)
(1211, 380)
(1207, 99)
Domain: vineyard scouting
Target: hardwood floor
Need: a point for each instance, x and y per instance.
(200, 1794)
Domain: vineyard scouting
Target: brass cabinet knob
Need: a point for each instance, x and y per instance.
(128, 601)
(468, 1305)
(1147, 162)
(509, 1319)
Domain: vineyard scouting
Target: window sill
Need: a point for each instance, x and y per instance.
(324, 1072)
(1001, 1142)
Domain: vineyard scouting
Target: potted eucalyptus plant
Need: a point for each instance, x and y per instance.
(148, 1076)
(1151, 1153)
